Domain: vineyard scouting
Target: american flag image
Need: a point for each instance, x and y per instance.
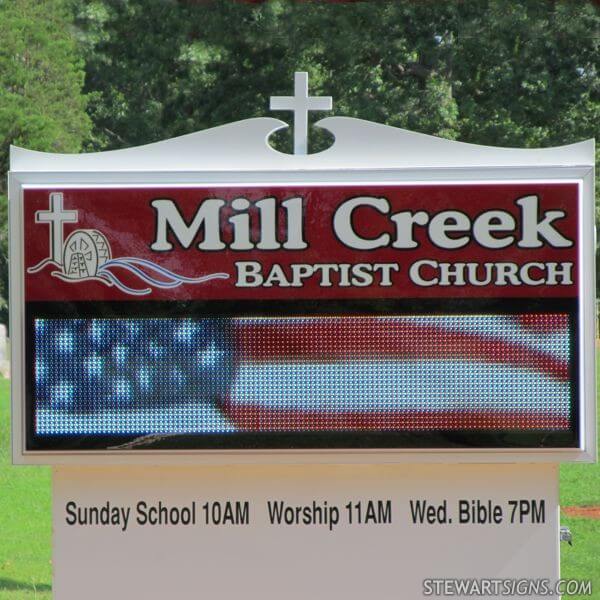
(141, 376)
(402, 373)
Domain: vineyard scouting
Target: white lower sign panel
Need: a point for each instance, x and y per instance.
(296, 532)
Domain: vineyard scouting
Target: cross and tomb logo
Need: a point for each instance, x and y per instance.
(86, 256)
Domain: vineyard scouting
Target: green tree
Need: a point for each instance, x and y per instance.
(522, 74)
(41, 102)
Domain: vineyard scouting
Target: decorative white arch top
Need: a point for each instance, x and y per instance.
(243, 146)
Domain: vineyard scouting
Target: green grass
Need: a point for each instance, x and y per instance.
(580, 486)
(25, 522)
(582, 559)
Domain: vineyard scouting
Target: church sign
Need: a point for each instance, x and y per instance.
(395, 292)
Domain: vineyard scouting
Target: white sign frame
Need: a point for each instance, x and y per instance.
(363, 152)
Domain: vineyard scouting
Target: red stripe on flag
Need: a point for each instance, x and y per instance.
(544, 323)
(254, 417)
(333, 338)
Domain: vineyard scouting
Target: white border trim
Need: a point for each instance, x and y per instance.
(367, 153)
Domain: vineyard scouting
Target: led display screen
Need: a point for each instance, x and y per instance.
(346, 374)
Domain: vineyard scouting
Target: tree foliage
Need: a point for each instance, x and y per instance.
(492, 72)
(41, 102)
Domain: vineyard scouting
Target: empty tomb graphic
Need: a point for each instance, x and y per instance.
(85, 251)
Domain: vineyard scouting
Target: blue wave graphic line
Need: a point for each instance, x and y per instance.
(124, 288)
(171, 283)
(135, 265)
(167, 273)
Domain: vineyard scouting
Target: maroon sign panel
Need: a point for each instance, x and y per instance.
(307, 242)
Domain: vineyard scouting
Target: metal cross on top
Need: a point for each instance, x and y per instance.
(300, 103)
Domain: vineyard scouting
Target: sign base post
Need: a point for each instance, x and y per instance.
(297, 532)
